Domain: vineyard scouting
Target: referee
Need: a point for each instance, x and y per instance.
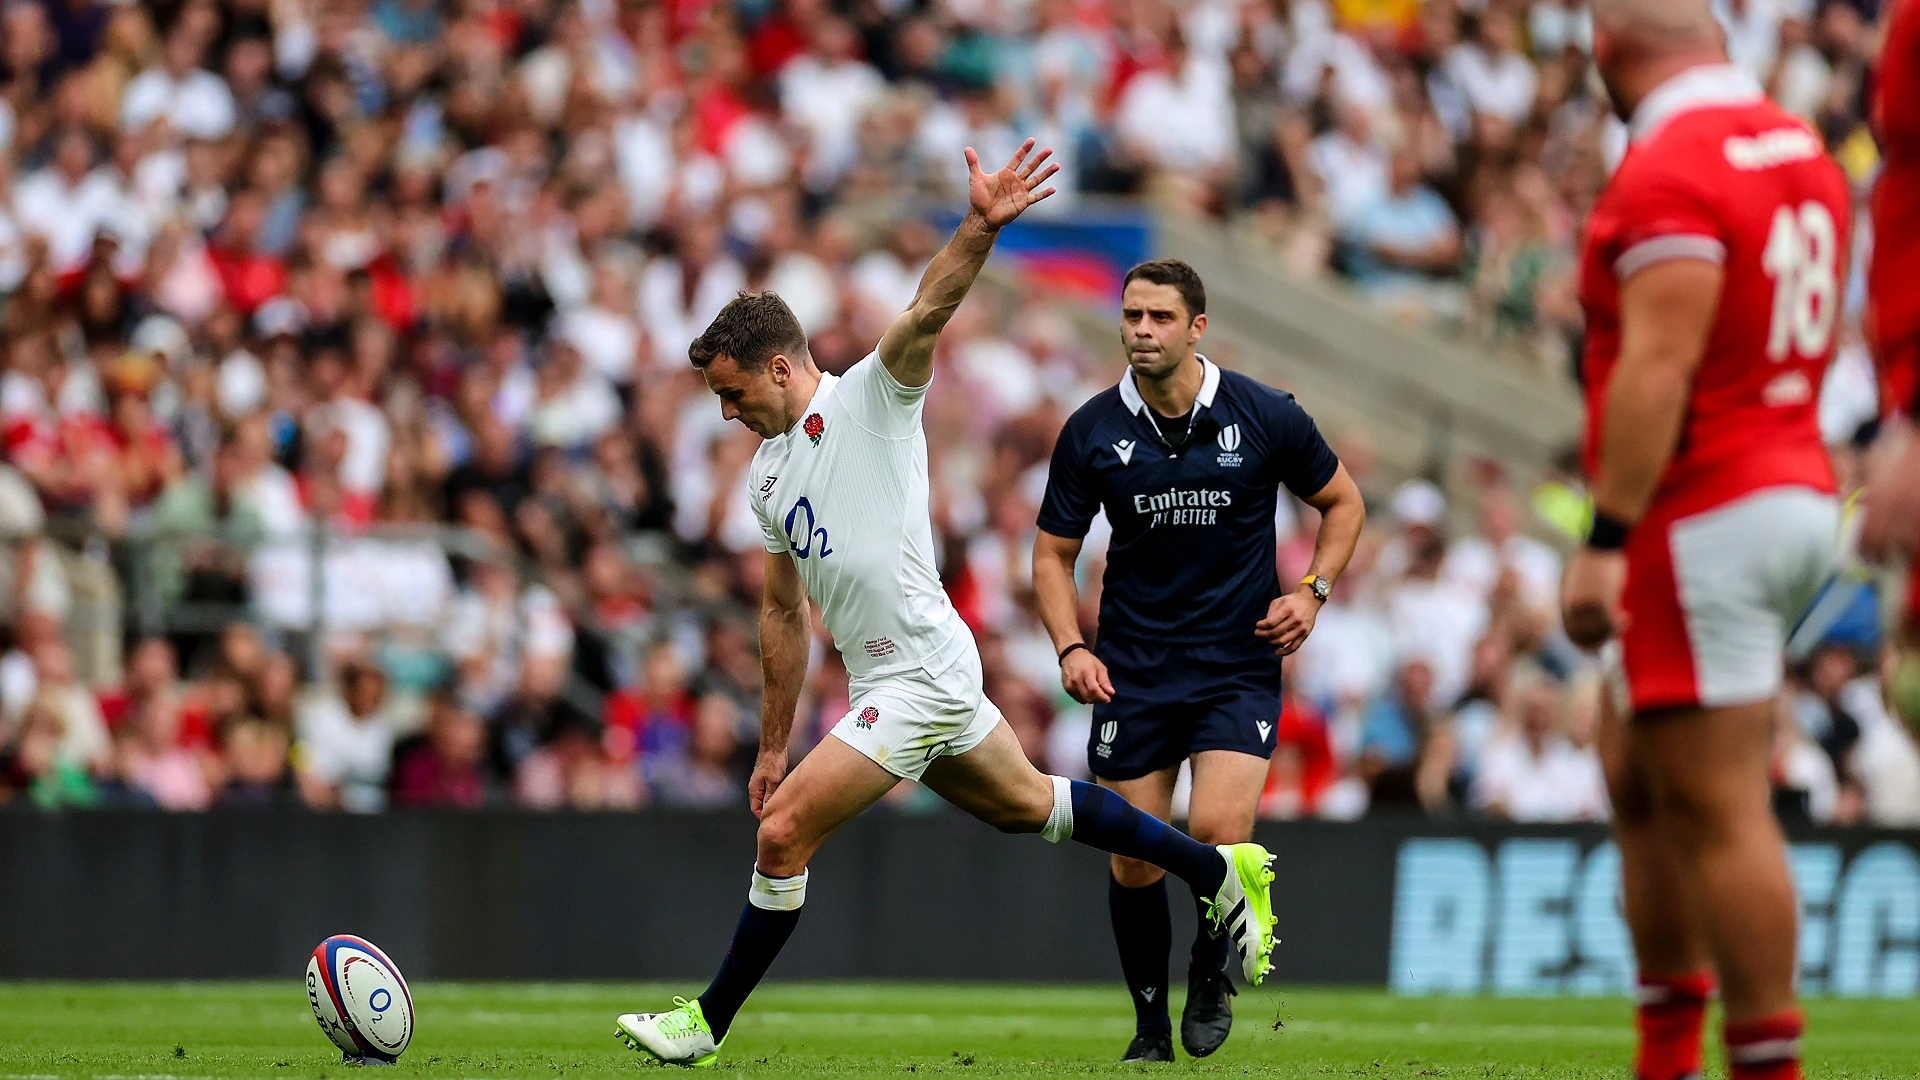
(1187, 461)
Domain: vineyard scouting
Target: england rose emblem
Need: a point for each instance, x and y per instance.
(814, 427)
(867, 716)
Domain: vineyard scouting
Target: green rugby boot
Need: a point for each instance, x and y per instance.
(679, 1036)
(1243, 908)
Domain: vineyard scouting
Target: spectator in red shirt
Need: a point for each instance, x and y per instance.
(444, 766)
(1303, 763)
(151, 675)
(250, 276)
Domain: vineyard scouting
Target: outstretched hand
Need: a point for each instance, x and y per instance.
(1000, 197)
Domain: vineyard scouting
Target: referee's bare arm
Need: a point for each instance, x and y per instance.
(993, 200)
(1081, 672)
(1342, 514)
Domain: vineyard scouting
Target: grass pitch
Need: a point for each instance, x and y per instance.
(160, 1031)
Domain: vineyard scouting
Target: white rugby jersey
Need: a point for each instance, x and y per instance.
(845, 493)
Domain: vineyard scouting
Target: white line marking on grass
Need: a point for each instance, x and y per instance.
(925, 1019)
(1426, 1031)
(1466, 1032)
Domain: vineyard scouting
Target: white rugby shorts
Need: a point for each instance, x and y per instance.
(1712, 597)
(903, 720)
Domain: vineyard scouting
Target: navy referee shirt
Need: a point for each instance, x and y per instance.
(1192, 560)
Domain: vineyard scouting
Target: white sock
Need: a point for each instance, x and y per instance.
(778, 893)
(1060, 822)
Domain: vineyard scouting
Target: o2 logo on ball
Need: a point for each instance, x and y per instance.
(380, 1001)
(802, 540)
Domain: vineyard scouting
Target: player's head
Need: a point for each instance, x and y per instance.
(1638, 44)
(1163, 313)
(754, 355)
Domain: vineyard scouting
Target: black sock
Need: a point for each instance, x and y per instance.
(1144, 932)
(1104, 820)
(759, 937)
(1209, 952)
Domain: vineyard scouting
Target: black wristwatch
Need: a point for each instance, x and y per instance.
(1322, 588)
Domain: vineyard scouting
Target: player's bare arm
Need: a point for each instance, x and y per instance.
(1082, 674)
(1891, 518)
(1667, 312)
(993, 200)
(1343, 513)
(784, 626)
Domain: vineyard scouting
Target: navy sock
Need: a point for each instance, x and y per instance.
(761, 935)
(1144, 932)
(1209, 952)
(1104, 820)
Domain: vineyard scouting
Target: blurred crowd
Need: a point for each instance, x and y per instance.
(352, 457)
(1443, 154)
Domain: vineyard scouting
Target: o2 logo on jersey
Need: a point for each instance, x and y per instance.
(802, 539)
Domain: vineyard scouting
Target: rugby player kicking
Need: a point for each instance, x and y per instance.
(1187, 461)
(840, 488)
(1712, 277)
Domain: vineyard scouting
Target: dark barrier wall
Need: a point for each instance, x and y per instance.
(1405, 904)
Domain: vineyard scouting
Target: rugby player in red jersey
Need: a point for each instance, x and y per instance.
(1712, 278)
(1892, 525)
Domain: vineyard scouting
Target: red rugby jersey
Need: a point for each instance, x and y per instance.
(1715, 171)
(1893, 277)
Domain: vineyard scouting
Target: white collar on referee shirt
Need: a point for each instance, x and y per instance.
(1209, 383)
(1695, 88)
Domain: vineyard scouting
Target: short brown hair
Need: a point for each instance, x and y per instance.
(1177, 274)
(752, 329)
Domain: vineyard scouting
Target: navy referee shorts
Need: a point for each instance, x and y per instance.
(1173, 701)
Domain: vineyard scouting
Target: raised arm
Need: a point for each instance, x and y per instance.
(784, 625)
(993, 200)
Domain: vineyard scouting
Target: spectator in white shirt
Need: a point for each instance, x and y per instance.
(1753, 32)
(347, 743)
(344, 408)
(573, 406)
(1532, 771)
(67, 202)
(680, 294)
(1805, 783)
(785, 264)
(1434, 619)
(194, 102)
(885, 278)
(1179, 118)
(825, 92)
(1352, 164)
(603, 328)
(1068, 53)
(1477, 561)
(1499, 82)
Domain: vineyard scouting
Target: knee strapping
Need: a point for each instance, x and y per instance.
(1060, 821)
(778, 893)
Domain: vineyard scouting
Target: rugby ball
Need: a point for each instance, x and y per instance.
(360, 999)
